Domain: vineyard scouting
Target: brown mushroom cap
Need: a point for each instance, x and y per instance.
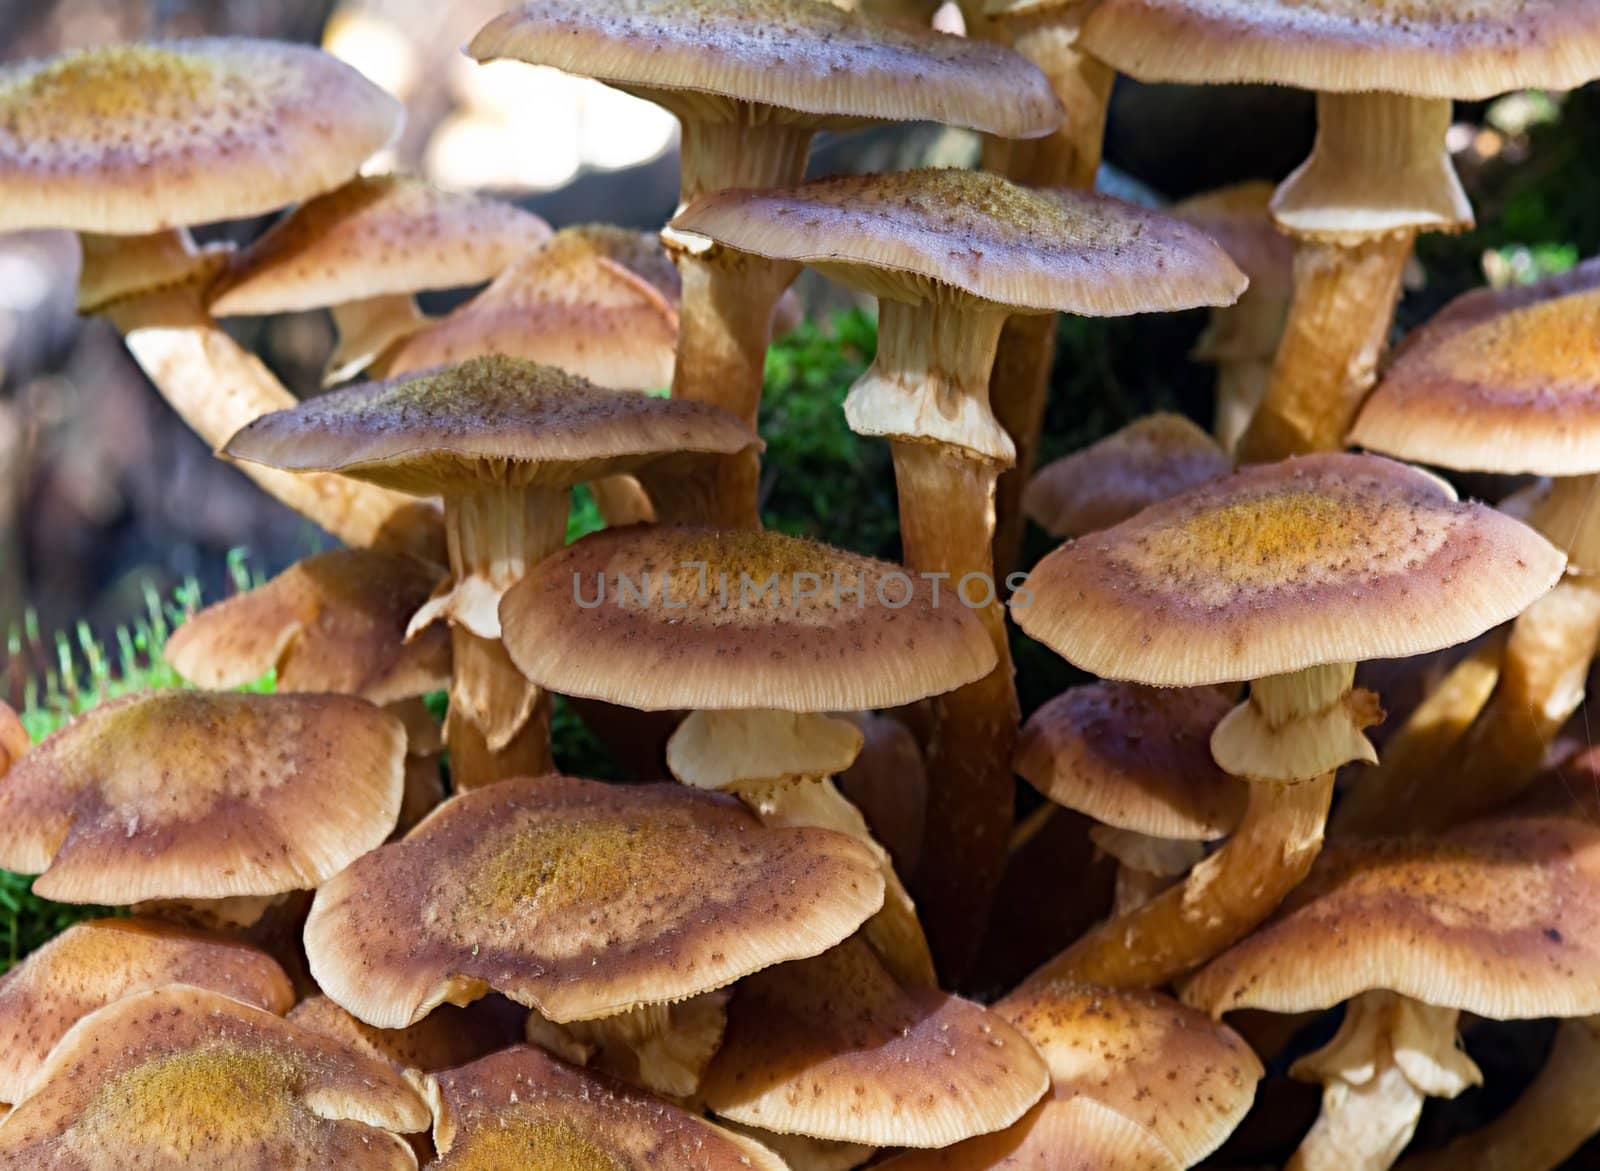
(809, 61)
(14, 739)
(1053, 1136)
(130, 139)
(1500, 381)
(489, 421)
(1149, 460)
(333, 622)
(581, 900)
(197, 795)
(447, 1037)
(1136, 758)
(1498, 918)
(1238, 218)
(1427, 48)
(182, 1077)
(523, 1108)
(1324, 559)
(1035, 250)
(689, 644)
(92, 964)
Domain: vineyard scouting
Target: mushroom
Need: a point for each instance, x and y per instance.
(364, 251)
(950, 255)
(663, 1048)
(445, 1038)
(888, 782)
(14, 738)
(94, 963)
(752, 83)
(1379, 173)
(1287, 576)
(128, 144)
(1497, 919)
(503, 441)
(184, 1077)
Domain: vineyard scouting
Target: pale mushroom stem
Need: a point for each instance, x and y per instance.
(1241, 339)
(1146, 865)
(1241, 385)
(368, 330)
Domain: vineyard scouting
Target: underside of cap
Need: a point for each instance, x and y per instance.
(718, 750)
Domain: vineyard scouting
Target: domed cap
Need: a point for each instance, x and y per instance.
(1237, 218)
(333, 622)
(130, 139)
(199, 795)
(92, 964)
(1134, 757)
(581, 900)
(373, 237)
(1324, 559)
(182, 1077)
(489, 421)
(445, 1038)
(523, 1108)
(1042, 251)
(1498, 918)
(1500, 381)
(1427, 48)
(819, 64)
(1104, 484)
(737, 620)
(832, 1048)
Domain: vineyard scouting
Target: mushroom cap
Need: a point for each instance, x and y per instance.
(14, 739)
(1498, 918)
(92, 964)
(1038, 250)
(202, 795)
(1149, 460)
(488, 421)
(571, 305)
(1324, 559)
(581, 900)
(677, 640)
(523, 1108)
(376, 236)
(1499, 381)
(1427, 48)
(832, 1048)
(1053, 1136)
(129, 139)
(447, 1037)
(1136, 758)
(333, 622)
(184, 1077)
(1238, 218)
(807, 59)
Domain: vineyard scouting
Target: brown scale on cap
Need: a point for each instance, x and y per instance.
(1107, 482)
(445, 1038)
(92, 964)
(581, 900)
(197, 795)
(373, 237)
(131, 139)
(523, 1108)
(1134, 757)
(832, 1048)
(1497, 918)
(182, 1077)
(689, 645)
(1318, 560)
(333, 622)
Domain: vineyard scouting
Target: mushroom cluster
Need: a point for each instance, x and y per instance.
(354, 933)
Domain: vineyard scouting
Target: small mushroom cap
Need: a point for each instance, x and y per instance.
(1500, 381)
(447, 1037)
(1149, 460)
(1324, 559)
(678, 639)
(333, 622)
(1053, 1136)
(489, 421)
(1238, 218)
(376, 236)
(129, 139)
(806, 59)
(201, 795)
(1136, 758)
(92, 964)
(581, 900)
(1427, 48)
(832, 1048)
(181, 1077)
(523, 1108)
(1499, 918)
(1042, 251)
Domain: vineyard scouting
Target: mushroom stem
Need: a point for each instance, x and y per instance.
(1020, 391)
(1146, 865)
(367, 330)
(1241, 340)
